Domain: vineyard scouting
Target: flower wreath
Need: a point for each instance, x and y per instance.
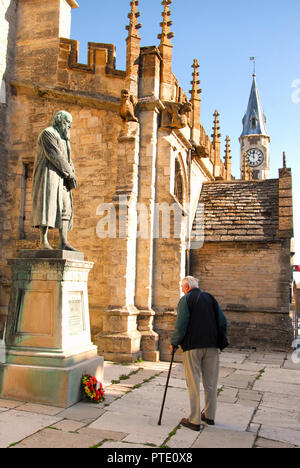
(91, 390)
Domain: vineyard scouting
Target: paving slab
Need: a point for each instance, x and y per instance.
(273, 417)
(122, 445)
(234, 417)
(239, 380)
(40, 409)
(10, 403)
(107, 435)
(213, 437)
(83, 411)
(16, 425)
(67, 425)
(292, 361)
(284, 435)
(251, 395)
(141, 429)
(53, 438)
(114, 371)
(273, 400)
(272, 444)
(281, 375)
(138, 378)
(276, 387)
(183, 438)
(228, 395)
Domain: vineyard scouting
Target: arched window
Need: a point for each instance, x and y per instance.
(178, 183)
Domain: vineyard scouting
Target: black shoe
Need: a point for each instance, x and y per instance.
(186, 423)
(209, 422)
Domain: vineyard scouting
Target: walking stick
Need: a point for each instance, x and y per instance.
(165, 394)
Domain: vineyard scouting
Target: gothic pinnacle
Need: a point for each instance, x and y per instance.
(247, 172)
(166, 35)
(284, 160)
(227, 159)
(134, 25)
(227, 151)
(195, 89)
(216, 135)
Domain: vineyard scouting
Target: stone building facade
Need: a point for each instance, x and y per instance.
(143, 161)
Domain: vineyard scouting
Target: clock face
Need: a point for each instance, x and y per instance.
(255, 157)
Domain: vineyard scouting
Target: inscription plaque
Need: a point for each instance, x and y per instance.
(76, 322)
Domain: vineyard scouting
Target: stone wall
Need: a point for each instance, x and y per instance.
(7, 50)
(94, 142)
(251, 281)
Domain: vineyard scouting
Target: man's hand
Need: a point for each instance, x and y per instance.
(173, 348)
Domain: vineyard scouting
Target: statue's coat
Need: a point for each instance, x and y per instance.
(52, 165)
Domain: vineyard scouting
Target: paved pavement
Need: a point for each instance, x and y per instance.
(258, 407)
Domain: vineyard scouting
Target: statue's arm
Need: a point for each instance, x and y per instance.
(54, 155)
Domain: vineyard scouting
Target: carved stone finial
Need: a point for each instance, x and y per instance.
(134, 25)
(166, 34)
(284, 160)
(128, 104)
(216, 135)
(228, 156)
(227, 159)
(195, 91)
(247, 173)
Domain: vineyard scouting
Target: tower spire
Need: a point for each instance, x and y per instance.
(166, 34)
(134, 25)
(254, 121)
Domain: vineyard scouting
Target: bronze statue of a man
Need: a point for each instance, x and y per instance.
(53, 181)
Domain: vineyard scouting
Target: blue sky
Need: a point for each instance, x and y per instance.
(222, 35)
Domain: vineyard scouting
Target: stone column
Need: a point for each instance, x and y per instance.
(170, 241)
(120, 339)
(149, 109)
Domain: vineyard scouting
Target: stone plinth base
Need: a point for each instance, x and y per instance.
(52, 386)
(47, 335)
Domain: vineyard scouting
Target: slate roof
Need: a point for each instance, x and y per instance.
(239, 211)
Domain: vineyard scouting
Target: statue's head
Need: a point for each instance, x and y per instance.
(63, 123)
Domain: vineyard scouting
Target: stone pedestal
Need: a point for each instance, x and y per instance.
(47, 336)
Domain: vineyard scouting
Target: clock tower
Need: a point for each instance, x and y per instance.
(254, 139)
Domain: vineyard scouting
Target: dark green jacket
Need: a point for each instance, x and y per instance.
(196, 325)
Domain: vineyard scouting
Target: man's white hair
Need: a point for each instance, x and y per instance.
(191, 281)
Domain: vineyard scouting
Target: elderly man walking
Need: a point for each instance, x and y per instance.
(200, 330)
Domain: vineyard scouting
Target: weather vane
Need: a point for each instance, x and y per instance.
(252, 59)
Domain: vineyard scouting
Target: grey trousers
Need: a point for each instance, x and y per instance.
(203, 361)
